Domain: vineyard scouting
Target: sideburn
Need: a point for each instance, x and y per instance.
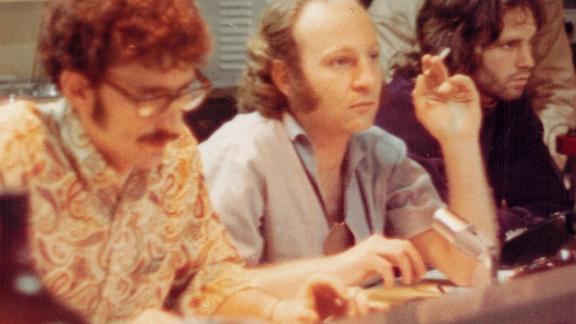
(304, 99)
(99, 116)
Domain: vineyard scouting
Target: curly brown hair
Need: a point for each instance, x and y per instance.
(461, 25)
(88, 36)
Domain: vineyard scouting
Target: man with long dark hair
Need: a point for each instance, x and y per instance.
(552, 85)
(491, 41)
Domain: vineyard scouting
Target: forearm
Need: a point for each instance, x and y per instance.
(320, 297)
(469, 194)
(470, 199)
(285, 280)
(252, 303)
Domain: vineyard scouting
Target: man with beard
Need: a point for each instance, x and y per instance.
(305, 175)
(121, 225)
(491, 41)
(552, 84)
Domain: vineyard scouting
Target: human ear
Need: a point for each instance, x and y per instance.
(280, 77)
(77, 89)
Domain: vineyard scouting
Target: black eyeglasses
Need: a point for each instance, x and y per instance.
(188, 98)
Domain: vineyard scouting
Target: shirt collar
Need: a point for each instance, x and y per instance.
(293, 129)
(354, 155)
(355, 152)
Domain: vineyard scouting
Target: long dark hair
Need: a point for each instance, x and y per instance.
(461, 25)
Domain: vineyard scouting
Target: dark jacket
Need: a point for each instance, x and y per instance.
(526, 183)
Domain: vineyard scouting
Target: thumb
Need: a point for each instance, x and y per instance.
(293, 310)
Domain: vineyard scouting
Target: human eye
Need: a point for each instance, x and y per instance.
(192, 90)
(150, 100)
(374, 55)
(342, 61)
(148, 97)
(509, 45)
(185, 96)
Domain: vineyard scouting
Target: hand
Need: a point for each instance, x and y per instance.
(360, 303)
(378, 255)
(448, 106)
(293, 310)
(324, 297)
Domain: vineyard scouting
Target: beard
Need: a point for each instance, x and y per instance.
(489, 85)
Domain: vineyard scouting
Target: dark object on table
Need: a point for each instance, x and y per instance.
(214, 112)
(540, 241)
(22, 297)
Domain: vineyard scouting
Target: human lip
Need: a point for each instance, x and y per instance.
(521, 78)
(363, 105)
(155, 143)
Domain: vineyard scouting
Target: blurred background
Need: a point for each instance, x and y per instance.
(231, 22)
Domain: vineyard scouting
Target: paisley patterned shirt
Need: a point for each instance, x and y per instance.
(107, 248)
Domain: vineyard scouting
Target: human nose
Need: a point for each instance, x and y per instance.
(171, 113)
(368, 75)
(525, 58)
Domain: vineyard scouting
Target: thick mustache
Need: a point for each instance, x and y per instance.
(159, 136)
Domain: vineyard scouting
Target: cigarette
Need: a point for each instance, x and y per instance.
(444, 53)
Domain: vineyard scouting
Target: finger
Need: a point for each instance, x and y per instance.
(304, 315)
(377, 306)
(293, 310)
(358, 302)
(384, 269)
(419, 92)
(425, 62)
(439, 69)
(434, 70)
(429, 79)
(362, 304)
(465, 85)
(447, 89)
(418, 264)
(395, 252)
(402, 261)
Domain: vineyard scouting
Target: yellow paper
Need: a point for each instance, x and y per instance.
(404, 293)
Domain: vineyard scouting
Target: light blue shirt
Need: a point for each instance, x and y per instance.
(256, 171)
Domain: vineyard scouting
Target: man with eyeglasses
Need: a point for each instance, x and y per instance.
(121, 224)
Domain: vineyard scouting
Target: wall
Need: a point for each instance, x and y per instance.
(19, 23)
(231, 21)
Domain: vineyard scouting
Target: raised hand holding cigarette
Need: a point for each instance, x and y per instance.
(448, 106)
